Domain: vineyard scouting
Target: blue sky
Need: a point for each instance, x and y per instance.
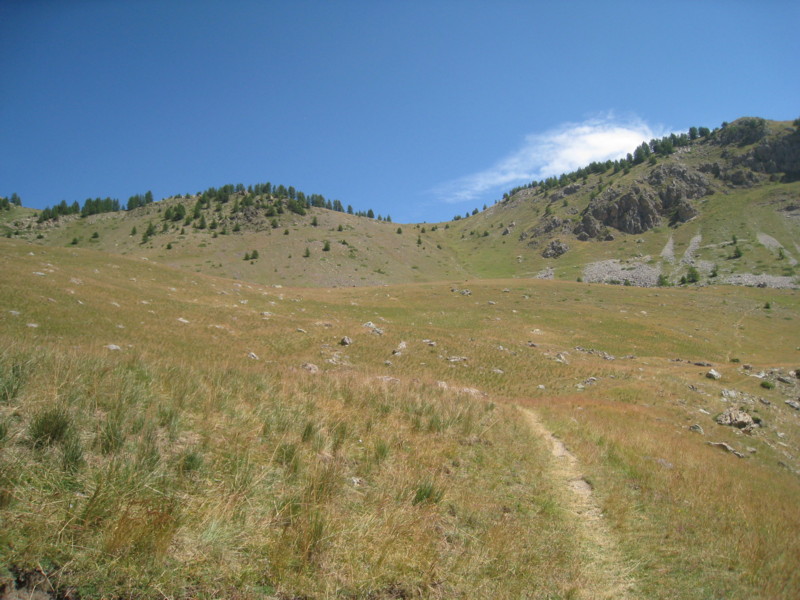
(419, 110)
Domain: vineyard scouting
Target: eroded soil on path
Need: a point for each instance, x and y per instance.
(605, 569)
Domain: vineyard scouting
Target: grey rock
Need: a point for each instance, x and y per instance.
(311, 368)
(726, 447)
(345, 341)
(555, 249)
(734, 417)
(697, 428)
(794, 404)
(713, 374)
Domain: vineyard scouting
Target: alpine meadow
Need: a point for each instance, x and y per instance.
(589, 389)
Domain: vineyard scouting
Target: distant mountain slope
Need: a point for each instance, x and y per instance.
(692, 208)
(719, 207)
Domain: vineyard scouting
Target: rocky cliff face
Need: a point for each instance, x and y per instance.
(665, 193)
(774, 155)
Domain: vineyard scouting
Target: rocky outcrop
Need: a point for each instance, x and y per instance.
(547, 225)
(666, 192)
(735, 417)
(632, 210)
(567, 190)
(555, 249)
(774, 155)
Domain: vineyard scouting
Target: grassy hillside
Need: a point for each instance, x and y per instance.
(508, 238)
(743, 204)
(169, 433)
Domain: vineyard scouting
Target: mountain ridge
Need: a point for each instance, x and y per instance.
(665, 187)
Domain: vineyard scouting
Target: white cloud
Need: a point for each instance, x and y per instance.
(559, 150)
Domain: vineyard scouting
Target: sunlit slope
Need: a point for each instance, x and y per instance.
(158, 424)
(720, 206)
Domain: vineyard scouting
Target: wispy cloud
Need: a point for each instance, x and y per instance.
(559, 150)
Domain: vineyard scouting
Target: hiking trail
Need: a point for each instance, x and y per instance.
(607, 573)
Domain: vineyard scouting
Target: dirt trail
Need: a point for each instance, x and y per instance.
(606, 573)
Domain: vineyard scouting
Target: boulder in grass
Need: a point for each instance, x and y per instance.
(735, 417)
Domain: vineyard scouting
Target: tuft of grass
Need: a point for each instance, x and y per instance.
(427, 492)
(111, 436)
(48, 427)
(11, 379)
(71, 452)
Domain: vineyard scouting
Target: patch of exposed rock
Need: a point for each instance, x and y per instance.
(727, 448)
(764, 281)
(545, 226)
(613, 271)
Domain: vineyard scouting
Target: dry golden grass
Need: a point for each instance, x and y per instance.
(177, 465)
